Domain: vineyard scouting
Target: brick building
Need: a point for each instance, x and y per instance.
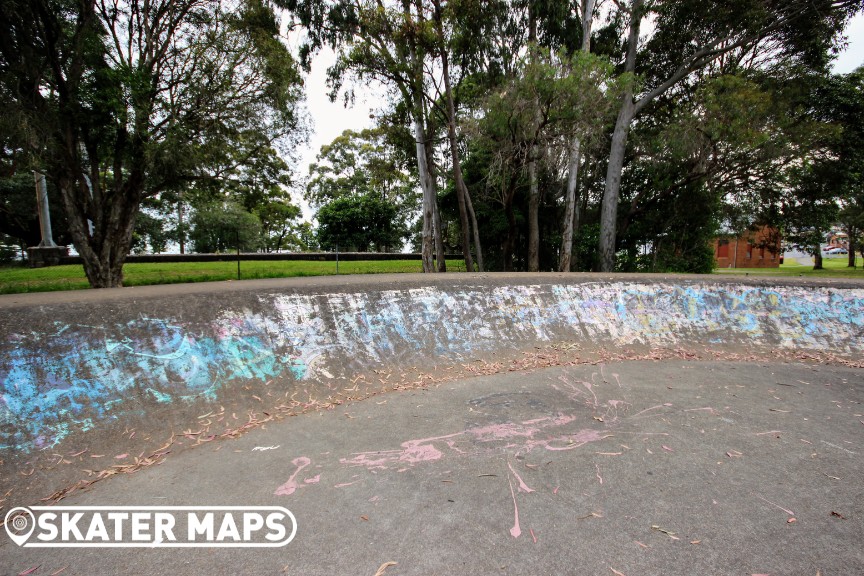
(757, 249)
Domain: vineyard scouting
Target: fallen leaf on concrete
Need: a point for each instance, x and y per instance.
(667, 448)
(667, 532)
(641, 544)
(791, 521)
(832, 477)
(591, 515)
(58, 571)
(734, 454)
(838, 515)
(778, 410)
(364, 518)
(78, 453)
(616, 571)
(121, 456)
(30, 571)
(97, 455)
(695, 541)
(384, 567)
(531, 530)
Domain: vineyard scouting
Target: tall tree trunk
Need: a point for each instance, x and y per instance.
(609, 208)
(533, 214)
(570, 206)
(533, 187)
(437, 229)
(103, 251)
(817, 258)
(509, 245)
(180, 228)
(461, 189)
(851, 232)
(103, 247)
(427, 246)
(476, 230)
(571, 202)
(427, 238)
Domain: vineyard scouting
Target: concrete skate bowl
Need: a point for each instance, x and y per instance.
(154, 369)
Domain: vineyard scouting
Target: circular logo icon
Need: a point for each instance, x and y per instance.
(19, 524)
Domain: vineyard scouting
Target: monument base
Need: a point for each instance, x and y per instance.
(41, 256)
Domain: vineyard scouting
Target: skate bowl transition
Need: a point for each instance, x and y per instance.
(77, 363)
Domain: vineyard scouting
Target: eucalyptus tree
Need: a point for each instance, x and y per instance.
(552, 99)
(689, 35)
(571, 204)
(387, 43)
(125, 99)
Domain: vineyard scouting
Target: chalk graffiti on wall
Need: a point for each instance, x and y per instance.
(74, 377)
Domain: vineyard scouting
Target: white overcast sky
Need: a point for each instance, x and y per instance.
(329, 119)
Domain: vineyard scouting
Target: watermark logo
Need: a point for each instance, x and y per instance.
(150, 526)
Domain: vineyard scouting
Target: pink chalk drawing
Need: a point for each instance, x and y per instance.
(291, 485)
(313, 480)
(424, 450)
(516, 530)
(522, 486)
(412, 452)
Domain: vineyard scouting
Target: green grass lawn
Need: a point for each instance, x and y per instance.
(834, 267)
(17, 279)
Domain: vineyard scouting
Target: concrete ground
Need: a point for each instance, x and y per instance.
(627, 468)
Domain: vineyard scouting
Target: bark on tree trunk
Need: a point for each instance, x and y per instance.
(437, 229)
(440, 254)
(426, 184)
(476, 230)
(509, 245)
(817, 258)
(609, 209)
(571, 202)
(180, 229)
(570, 207)
(533, 189)
(427, 246)
(104, 251)
(461, 189)
(533, 216)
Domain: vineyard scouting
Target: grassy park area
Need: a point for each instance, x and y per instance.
(836, 267)
(17, 279)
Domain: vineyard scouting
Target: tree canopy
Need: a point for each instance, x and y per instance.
(122, 100)
(568, 135)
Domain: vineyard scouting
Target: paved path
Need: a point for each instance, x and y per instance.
(631, 468)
